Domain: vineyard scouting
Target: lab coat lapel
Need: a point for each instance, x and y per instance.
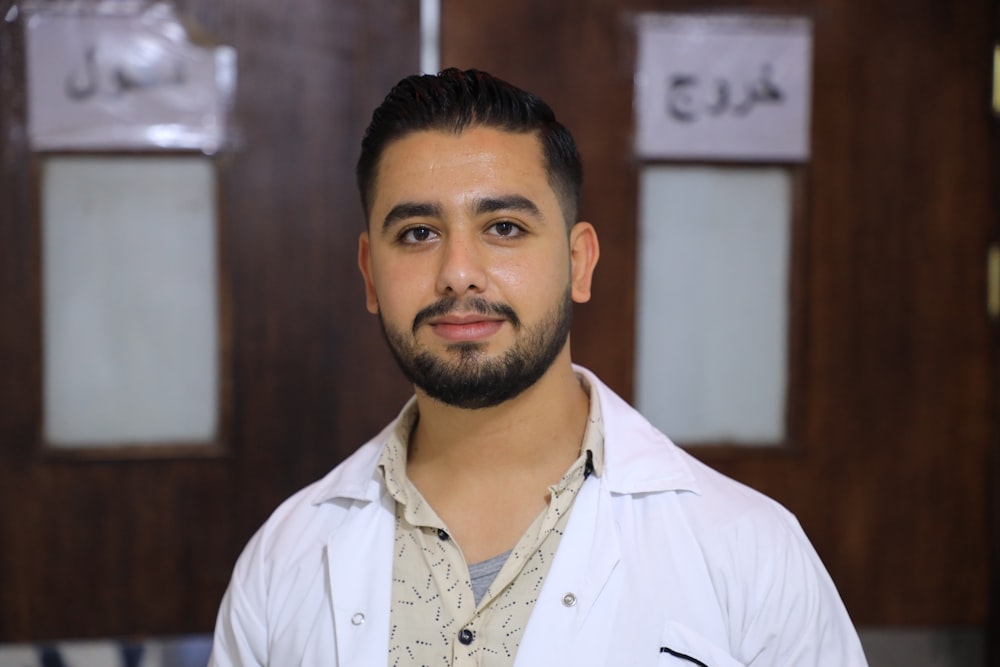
(359, 559)
(578, 600)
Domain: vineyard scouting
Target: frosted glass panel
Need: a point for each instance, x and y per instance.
(711, 355)
(130, 300)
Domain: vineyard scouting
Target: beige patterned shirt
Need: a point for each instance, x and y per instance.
(435, 621)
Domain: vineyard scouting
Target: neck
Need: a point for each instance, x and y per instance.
(544, 423)
(487, 472)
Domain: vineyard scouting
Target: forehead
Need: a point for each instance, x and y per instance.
(476, 153)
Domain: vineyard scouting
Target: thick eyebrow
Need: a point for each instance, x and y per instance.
(506, 203)
(410, 210)
(480, 206)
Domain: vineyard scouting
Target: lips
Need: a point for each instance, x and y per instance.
(470, 319)
(465, 328)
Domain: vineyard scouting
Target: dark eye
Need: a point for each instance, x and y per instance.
(505, 228)
(416, 235)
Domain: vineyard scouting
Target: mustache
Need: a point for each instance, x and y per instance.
(473, 304)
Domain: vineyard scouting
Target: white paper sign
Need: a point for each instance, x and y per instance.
(123, 75)
(719, 87)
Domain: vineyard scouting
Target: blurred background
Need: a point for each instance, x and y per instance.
(115, 549)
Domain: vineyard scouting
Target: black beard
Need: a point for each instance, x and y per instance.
(474, 381)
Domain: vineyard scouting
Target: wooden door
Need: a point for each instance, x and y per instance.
(896, 411)
(142, 546)
(893, 407)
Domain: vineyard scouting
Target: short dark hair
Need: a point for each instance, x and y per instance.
(455, 100)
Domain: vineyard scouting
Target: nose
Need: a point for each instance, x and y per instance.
(462, 268)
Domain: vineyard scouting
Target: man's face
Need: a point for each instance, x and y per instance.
(469, 264)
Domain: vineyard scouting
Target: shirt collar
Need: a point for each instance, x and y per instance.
(593, 436)
(392, 461)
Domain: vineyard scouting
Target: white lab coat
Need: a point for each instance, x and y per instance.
(662, 558)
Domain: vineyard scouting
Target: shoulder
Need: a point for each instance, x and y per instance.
(643, 462)
(300, 527)
(745, 556)
(724, 504)
(745, 539)
(278, 578)
(773, 592)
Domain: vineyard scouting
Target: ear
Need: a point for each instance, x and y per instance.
(365, 264)
(584, 250)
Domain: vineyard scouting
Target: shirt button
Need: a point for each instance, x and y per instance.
(358, 618)
(466, 636)
(569, 600)
(442, 534)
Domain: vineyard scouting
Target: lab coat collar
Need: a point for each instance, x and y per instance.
(357, 478)
(637, 457)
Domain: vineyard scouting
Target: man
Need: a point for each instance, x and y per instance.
(517, 511)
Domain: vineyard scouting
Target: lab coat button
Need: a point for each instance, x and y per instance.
(358, 618)
(466, 636)
(569, 600)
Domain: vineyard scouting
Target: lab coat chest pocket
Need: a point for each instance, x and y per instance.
(682, 647)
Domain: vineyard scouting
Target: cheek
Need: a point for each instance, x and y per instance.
(395, 298)
(534, 279)
(397, 292)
